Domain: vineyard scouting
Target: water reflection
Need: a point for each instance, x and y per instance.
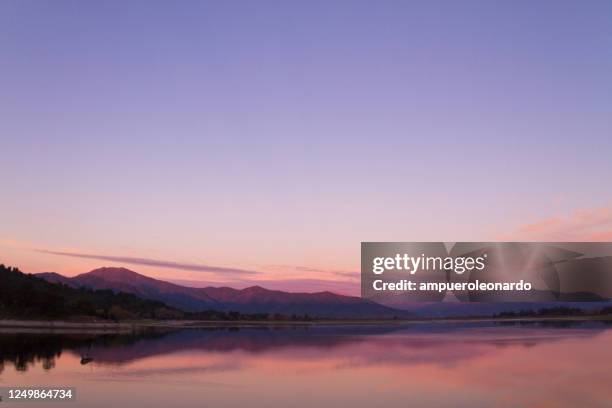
(24, 350)
(477, 364)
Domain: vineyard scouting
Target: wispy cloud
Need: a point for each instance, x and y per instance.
(155, 263)
(581, 225)
(344, 274)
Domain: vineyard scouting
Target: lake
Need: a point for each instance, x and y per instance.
(533, 364)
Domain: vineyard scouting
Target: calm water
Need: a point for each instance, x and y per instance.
(424, 365)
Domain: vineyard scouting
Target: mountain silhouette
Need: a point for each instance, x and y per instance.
(254, 299)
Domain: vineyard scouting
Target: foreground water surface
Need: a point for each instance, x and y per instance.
(425, 365)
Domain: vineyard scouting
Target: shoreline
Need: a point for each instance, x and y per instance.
(138, 325)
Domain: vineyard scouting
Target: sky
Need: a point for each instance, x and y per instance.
(210, 142)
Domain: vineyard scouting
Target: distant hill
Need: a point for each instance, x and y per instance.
(27, 296)
(489, 309)
(251, 300)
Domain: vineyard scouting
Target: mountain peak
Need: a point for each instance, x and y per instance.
(255, 289)
(116, 274)
(49, 275)
(54, 277)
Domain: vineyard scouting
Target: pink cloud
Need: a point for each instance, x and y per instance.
(581, 225)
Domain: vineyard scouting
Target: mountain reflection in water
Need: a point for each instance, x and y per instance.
(477, 364)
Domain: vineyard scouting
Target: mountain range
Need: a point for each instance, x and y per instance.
(254, 299)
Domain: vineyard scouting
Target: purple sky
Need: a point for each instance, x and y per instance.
(276, 136)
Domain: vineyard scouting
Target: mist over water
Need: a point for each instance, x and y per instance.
(430, 364)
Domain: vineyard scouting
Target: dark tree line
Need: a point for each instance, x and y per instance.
(237, 316)
(29, 297)
(555, 311)
(26, 296)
